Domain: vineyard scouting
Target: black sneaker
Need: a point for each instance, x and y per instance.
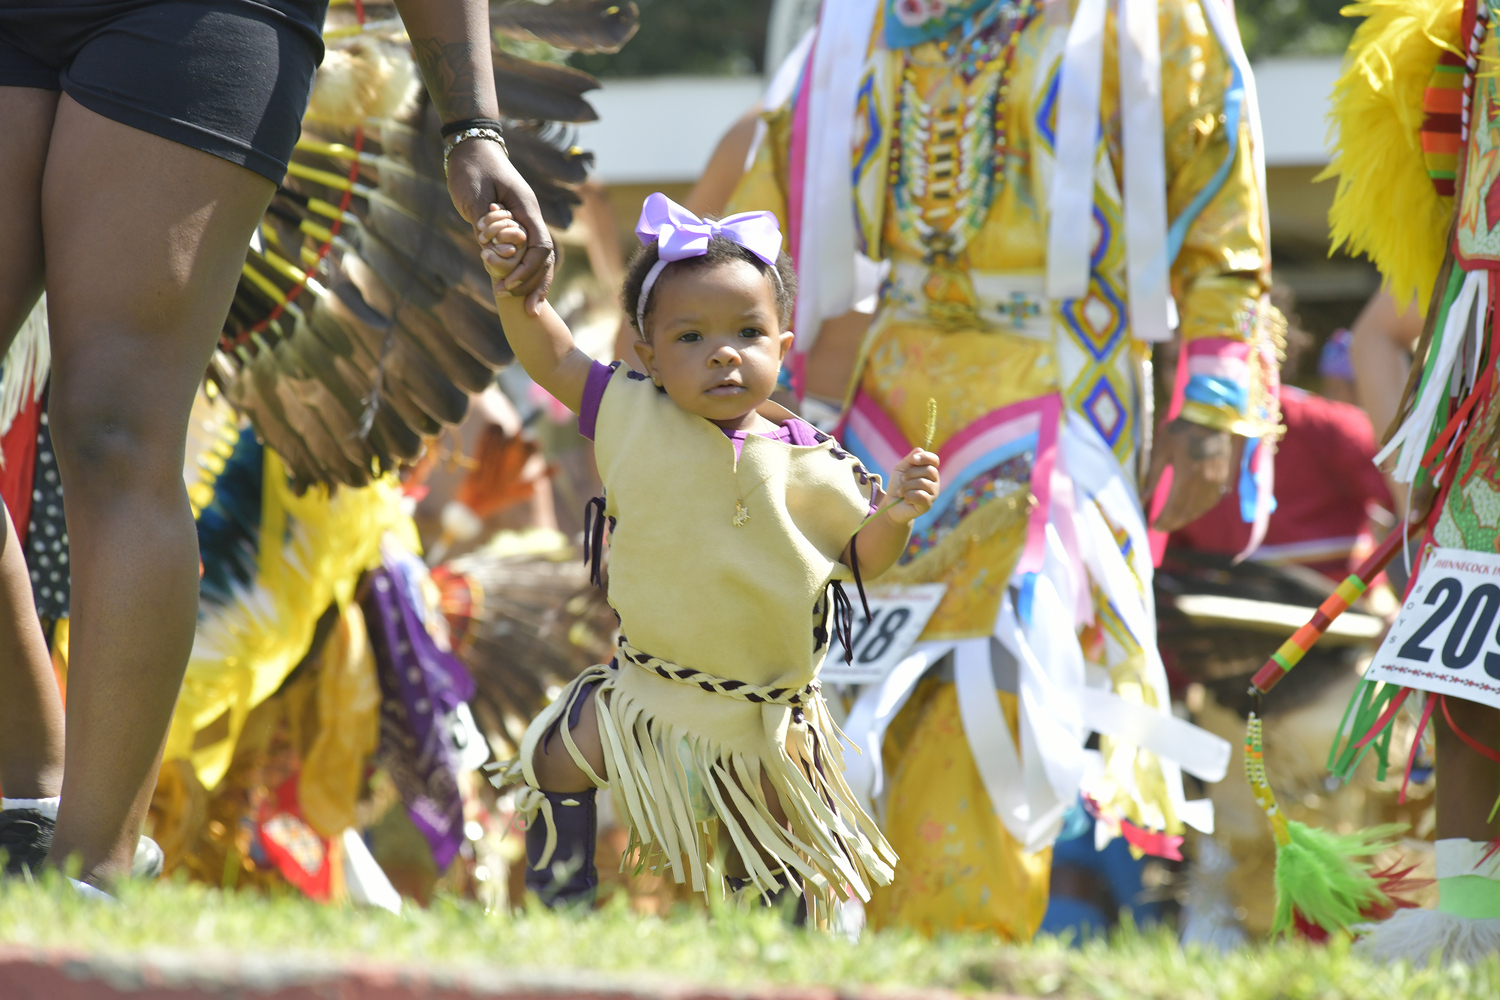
(25, 838)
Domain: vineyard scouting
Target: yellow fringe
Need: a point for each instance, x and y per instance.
(348, 713)
(1386, 206)
(313, 549)
(658, 768)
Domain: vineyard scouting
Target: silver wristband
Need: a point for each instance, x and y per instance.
(493, 135)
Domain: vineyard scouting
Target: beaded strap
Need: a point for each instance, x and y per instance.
(493, 135)
(1260, 787)
(759, 694)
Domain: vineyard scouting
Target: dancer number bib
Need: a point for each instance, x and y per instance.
(898, 615)
(1445, 638)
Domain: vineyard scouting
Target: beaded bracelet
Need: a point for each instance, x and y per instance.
(453, 142)
(454, 127)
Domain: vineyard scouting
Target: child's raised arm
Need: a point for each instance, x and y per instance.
(542, 343)
(914, 485)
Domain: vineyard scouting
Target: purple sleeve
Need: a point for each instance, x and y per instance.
(801, 433)
(593, 394)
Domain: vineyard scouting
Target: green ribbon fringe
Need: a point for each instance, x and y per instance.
(1369, 701)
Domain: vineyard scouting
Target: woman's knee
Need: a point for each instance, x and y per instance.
(115, 436)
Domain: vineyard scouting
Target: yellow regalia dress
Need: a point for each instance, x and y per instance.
(962, 318)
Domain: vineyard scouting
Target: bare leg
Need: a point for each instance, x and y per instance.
(554, 766)
(144, 240)
(1467, 781)
(31, 716)
(557, 772)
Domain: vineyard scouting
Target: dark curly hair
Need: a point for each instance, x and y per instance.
(720, 251)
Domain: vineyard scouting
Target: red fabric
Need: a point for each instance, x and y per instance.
(1156, 844)
(19, 448)
(1325, 480)
(294, 847)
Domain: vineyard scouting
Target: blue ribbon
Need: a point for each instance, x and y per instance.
(1249, 493)
(1024, 601)
(1210, 390)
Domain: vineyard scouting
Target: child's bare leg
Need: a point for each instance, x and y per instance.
(568, 878)
(556, 771)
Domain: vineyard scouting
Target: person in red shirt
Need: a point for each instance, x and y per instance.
(1326, 483)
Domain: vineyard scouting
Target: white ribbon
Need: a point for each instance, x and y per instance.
(779, 90)
(1070, 231)
(1030, 791)
(1411, 437)
(994, 747)
(1145, 195)
(1199, 752)
(871, 716)
(826, 243)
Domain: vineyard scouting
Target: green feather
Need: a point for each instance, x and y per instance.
(1326, 876)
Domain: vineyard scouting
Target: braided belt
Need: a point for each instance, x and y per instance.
(759, 694)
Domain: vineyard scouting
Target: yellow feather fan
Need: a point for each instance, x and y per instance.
(1377, 113)
(312, 551)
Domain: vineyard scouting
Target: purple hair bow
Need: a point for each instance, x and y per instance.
(680, 234)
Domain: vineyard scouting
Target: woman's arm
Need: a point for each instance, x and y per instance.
(914, 485)
(451, 39)
(1384, 335)
(540, 339)
(1383, 338)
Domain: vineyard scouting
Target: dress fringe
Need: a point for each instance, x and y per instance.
(657, 768)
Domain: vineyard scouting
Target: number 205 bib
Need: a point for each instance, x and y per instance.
(1446, 638)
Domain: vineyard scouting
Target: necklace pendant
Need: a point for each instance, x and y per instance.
(741, 514)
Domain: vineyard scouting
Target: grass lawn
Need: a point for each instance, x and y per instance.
(731, 948)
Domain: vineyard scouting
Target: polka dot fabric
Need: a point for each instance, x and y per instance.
(47, 535)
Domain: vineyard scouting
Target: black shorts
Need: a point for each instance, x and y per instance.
(229, 77)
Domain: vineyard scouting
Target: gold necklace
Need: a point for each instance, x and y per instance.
(741, 512)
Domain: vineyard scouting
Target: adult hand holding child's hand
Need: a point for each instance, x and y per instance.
(500, 241)
(481, 173)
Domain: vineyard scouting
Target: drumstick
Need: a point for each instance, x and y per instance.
(1292, 651)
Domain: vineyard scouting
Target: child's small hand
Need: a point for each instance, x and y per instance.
(501, 243)
(914, 481)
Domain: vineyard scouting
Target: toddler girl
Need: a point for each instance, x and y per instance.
(733, 525)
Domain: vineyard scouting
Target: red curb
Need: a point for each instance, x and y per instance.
(44, 974)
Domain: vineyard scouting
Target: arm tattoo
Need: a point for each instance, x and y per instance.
(448, 68)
